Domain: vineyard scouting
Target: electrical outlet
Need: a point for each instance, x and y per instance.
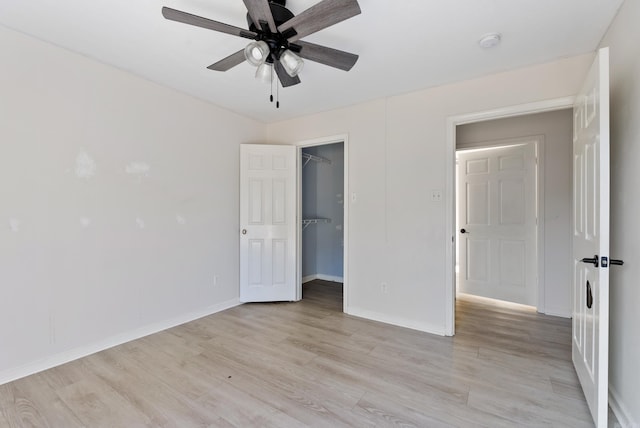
(383, 288)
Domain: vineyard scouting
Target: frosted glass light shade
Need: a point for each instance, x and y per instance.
(264, 72)
(291, 62)
(256, 53)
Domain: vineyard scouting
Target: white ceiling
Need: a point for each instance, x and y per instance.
(404, 45)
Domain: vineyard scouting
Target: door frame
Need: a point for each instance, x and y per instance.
(538, 142)
(450, 208)
(344, 139)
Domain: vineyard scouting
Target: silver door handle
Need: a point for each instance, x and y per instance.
(244, 231)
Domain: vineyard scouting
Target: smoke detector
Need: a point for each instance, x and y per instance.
(490, 40)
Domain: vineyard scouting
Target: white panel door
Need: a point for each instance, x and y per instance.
(497, 222)
(591, 237)
(267, 223)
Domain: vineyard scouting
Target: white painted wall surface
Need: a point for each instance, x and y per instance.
(397, 156)
(624, 345)
(557, 129)
(118, 205)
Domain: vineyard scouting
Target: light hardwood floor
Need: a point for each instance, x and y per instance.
(308, 364)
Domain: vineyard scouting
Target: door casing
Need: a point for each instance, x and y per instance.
(342, 138)
(450, 208)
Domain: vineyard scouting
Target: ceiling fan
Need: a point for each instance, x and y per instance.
(276, 34)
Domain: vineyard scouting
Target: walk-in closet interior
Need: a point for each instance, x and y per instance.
(323, 212)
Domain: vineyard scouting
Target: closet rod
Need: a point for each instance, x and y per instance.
(309, 157)
(307, 221)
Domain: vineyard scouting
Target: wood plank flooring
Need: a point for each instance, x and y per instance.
(308, 364)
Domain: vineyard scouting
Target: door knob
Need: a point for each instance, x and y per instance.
(616, 262)
(593, 260)
(244, 231)
(463, 231)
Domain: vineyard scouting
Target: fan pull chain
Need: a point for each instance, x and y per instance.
(271, 97)
(277, 95)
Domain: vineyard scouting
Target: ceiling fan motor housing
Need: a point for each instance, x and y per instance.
(280, 15)
(277, 41)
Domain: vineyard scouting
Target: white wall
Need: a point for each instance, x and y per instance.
(397, 155)
(624, 338)
(557, 129)
(90, 254)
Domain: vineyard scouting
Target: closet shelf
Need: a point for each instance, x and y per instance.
(307, 221)
(309, 157)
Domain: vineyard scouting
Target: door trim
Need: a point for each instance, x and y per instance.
(340, 138)
(450, 207)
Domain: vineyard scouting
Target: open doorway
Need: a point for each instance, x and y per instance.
(549, 126)
(323, 213)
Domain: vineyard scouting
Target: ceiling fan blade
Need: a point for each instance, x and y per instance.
(325, 55)
(285, 79)
(320, 16)
(228, 62)
(259, 10)
(198, 21)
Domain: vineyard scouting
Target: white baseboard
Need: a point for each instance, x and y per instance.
(400, 322)
(64, 357)
(322, 277)
(557, 314)
(620, 410)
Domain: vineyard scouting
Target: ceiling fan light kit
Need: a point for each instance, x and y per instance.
(291, 62)
(277, 34)
(256, 53)
(264, 73)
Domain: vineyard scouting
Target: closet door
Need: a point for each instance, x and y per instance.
(267, 223)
